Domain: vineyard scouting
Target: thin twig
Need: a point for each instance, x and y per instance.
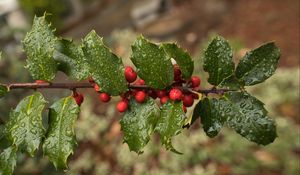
(73, 86)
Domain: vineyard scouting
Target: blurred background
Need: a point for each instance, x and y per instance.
(191, 23)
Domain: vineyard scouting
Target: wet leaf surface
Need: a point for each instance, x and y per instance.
(231, 83)
(71, 60)
(217, 61)
(248, 117)
(240, 111)
(182, 58)
(152, 63)
(170, 123)
(25, 128)
(138, 123)
(105, 67)
(60, 139)
(39, 45)
(212, 115)
(258, 65)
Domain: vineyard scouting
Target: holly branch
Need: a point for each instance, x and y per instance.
(73, 86)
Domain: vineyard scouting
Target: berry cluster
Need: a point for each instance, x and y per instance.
(180, 90)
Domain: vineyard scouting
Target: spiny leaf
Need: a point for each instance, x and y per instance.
(25, 128)
(218, 61)
(71, 60)
(106, 68)
(152, 63)
(258, 65)
(170, 123)
(3, 90)
(138, 123)
(182, 58)
(60, 139)
(39, 44)
(248, 117)
(212, 115)
(8, 160)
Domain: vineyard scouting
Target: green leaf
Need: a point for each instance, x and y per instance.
(106, 68)
(3, 90)
(71, 60)
(218, 61)
(248, 117)
(4, 143)
(39, 44)
(231, 83)
(212, 115)
(60, 139)
(182, 58)
(8, 160)
(138, 123)
(258, 65)
(170, 123)
(152, 63)
(25, 128)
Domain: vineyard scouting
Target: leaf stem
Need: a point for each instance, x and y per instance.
(73, 86)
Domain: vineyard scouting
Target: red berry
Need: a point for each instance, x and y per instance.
(164, 100)
(175, 94)
(140, 82)
(104, 97)
(78, 98)
(97, 87)
(40, 81)
(140, 96)
(91, 80)
(177, 73)
(188, 100)
(122, 105)
(130, 74)
(184, 109)
(195, 81)
(195, 96)
(152, 94)
(161, 93)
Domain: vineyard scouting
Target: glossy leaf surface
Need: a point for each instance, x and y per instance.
(248, 117)
(218, 61)
(138, 124)
(182, 58)
(25, 128)
(152, 63)
(258, 65)
(71, 60)
(105, 67)
(60, 140)
(212, 115)
(39, 44)
(170, 123)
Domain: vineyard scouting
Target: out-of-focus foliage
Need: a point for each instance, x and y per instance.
(57, 8)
